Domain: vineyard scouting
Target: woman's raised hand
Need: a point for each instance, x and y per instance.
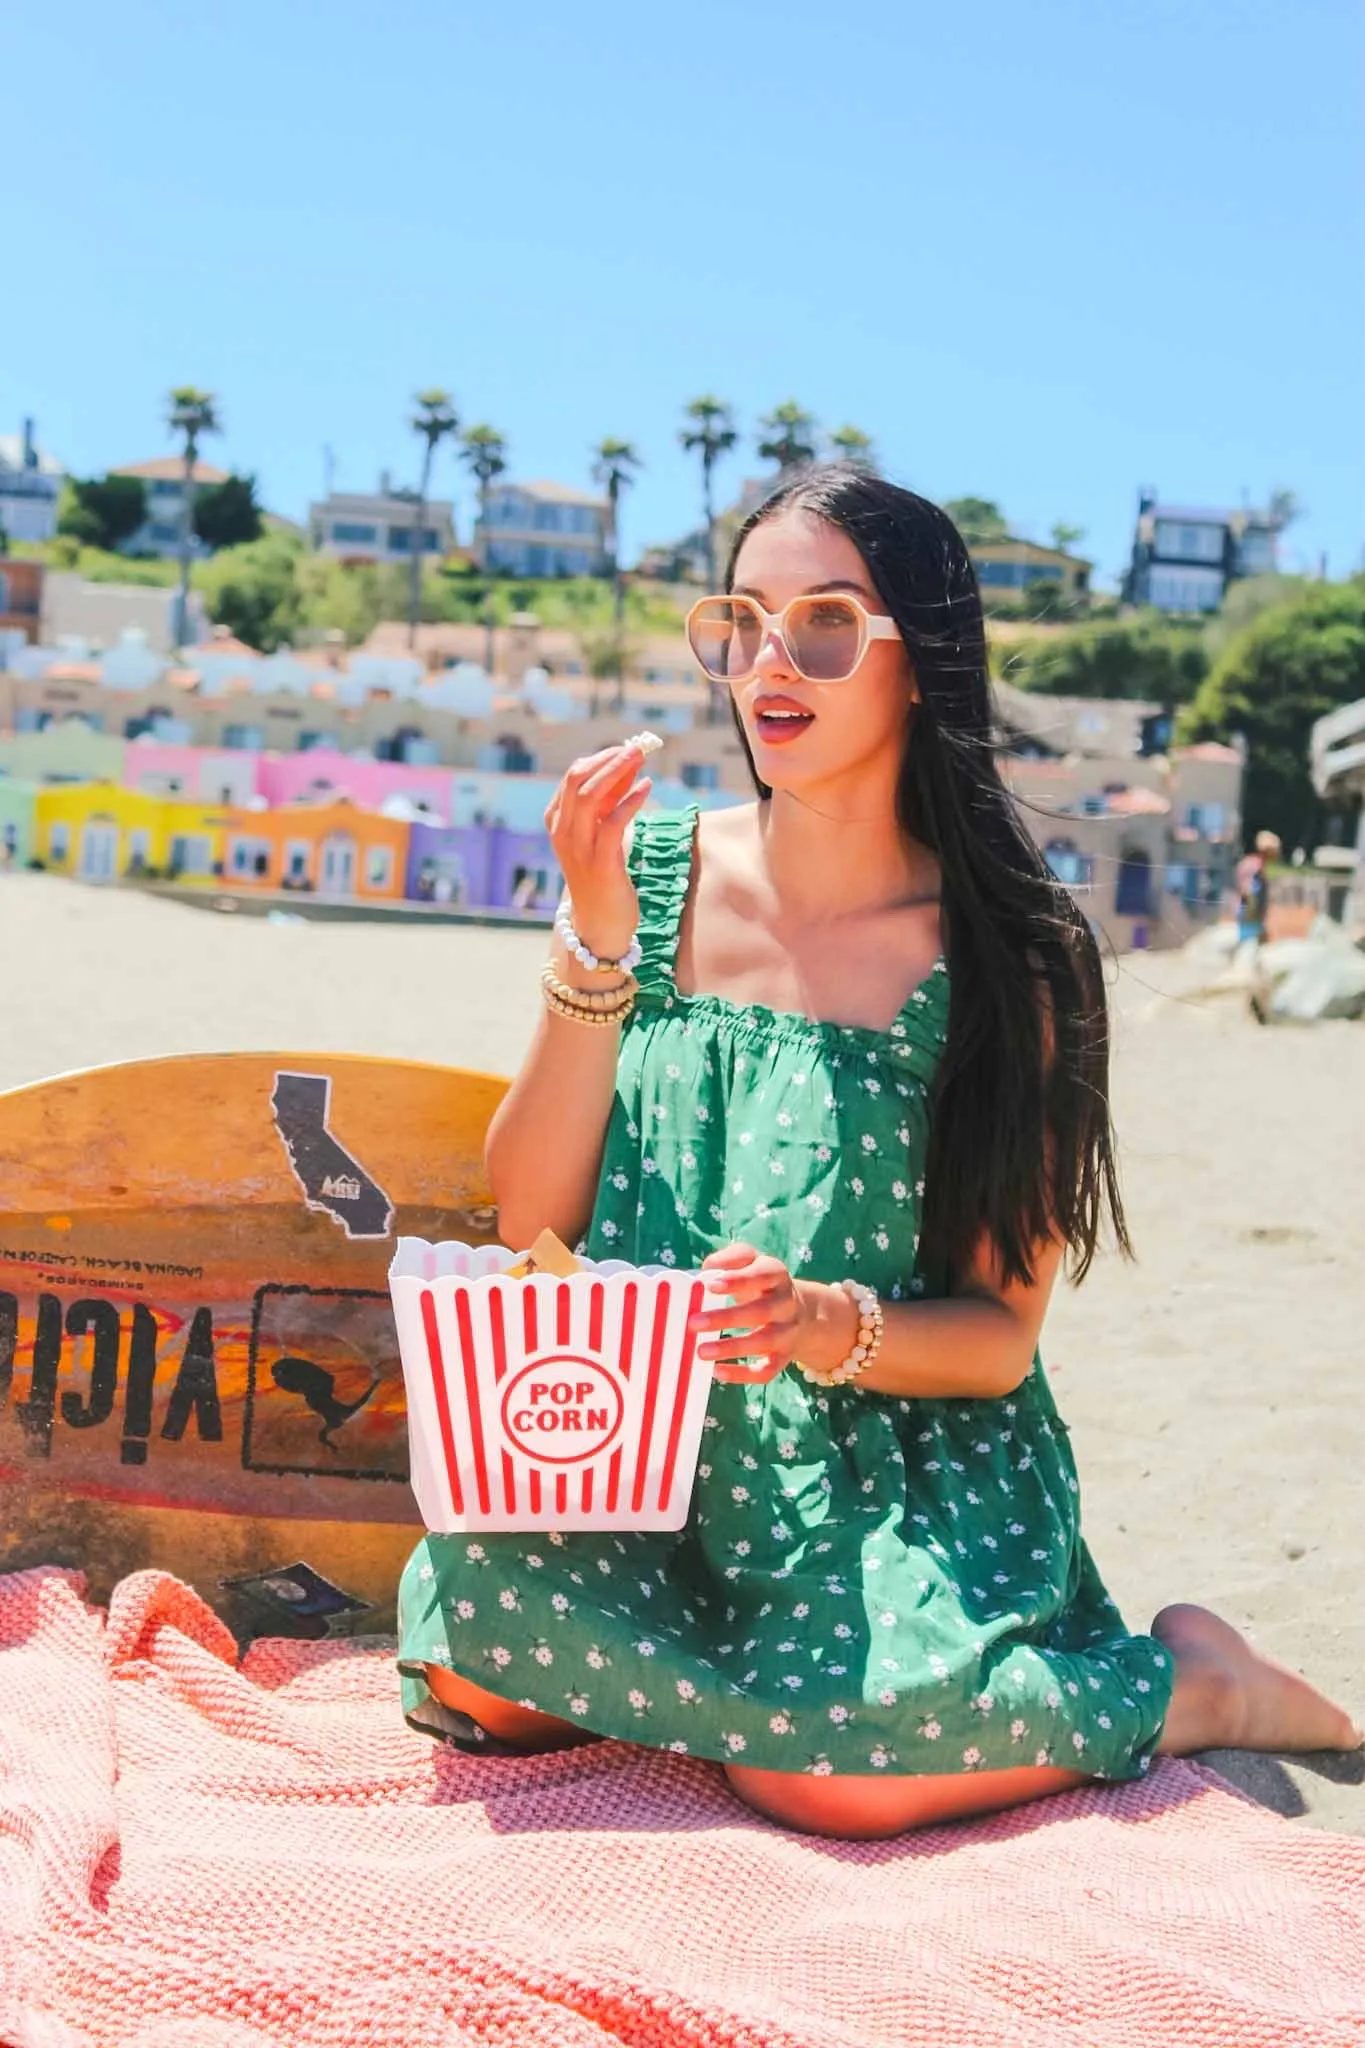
(586, 820)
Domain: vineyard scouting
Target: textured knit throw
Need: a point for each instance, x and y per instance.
(197, 1855)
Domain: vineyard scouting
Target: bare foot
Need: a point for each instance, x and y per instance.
(1229, 1696)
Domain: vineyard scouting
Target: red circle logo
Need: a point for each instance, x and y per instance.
(562, 1410)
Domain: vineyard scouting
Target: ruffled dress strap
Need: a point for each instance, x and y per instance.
(660, 864)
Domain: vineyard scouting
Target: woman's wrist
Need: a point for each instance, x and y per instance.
(592, 981)
(829, 1325)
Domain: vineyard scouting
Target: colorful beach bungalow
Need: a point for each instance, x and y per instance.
(101, 832)
(482, 867)
(336, 851)
(16, 822)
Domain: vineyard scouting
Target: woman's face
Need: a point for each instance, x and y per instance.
(846, 732)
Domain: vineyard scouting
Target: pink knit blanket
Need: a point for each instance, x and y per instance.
(197, 1855)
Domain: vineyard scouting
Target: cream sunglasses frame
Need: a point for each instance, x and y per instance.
(872, 626)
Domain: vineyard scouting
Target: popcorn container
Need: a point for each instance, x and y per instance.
(547, 1403)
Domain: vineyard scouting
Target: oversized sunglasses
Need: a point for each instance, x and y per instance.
(824, 635)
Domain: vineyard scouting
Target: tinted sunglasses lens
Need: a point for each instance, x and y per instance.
(825, 636)
(726, 635)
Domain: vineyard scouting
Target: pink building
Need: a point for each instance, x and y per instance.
(213, 775)
(321, 774)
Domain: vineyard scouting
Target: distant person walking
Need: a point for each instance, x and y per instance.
(1253, 888)
(9, 847)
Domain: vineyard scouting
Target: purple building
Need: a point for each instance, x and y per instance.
(482, 867)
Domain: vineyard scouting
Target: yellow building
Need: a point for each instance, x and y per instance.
(100, 832)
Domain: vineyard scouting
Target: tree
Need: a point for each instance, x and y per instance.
(1149, 659)
(1065, 537)
(1286, 669)
(787, 436)
(255, 590)
(435, 420)
(710, 432)
(193, 414)
(99, 512)
(228, 515)
(978, 520)
(613, 465)
(1284, 508)
(852, 445)
(483, 451)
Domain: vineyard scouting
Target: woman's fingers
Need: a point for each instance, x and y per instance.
(737, 1254)
(753, 1373)
(617, 819)
(620, 764)
(747, 1303)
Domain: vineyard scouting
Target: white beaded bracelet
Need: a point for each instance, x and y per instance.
(571, 942)
(871, 1330)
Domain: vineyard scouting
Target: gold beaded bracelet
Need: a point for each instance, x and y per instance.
(587, 1006)
(867, 1343)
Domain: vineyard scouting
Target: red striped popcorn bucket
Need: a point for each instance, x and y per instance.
(543, 1403)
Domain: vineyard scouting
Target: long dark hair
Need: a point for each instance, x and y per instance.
(1021, 1145)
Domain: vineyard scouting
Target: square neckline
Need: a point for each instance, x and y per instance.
(894, 1033)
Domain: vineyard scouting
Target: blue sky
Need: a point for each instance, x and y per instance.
(1041, 253)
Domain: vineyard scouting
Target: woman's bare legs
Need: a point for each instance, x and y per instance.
(503, 1718)
(1228, 1695)
(866, 1809)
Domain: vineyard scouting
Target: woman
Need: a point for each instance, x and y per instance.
(859, 1074)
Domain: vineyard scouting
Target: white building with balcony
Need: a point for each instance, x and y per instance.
(380, 526)
(544, 529)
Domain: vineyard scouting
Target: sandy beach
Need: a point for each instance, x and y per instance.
(1214, 1388)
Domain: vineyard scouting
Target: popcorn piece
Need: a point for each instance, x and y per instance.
(548, 1254)
(647, 742)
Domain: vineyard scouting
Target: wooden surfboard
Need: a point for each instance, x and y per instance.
(198, 1365)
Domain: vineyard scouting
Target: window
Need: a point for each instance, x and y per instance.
(401, 539)
(700, 775)
(249, 859)
(1068, 863)
(297, 855)
(191, 854)
(353, 530)
(378, 867)
(1186, 542)
(139, 849)
(243, 738)
(547, 519)
(163, 535)
(1185, 590)
(59, 842)
(536, 560)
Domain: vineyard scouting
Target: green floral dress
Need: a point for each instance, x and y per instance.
(865, 1583)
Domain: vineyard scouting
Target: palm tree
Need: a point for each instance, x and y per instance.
(710, 432)
(852, 445)
(788, 436)
(483, 451)
(193, 413)
(613, 463)
(434, 420)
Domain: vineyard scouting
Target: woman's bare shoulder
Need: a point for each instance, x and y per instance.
(730, 830)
